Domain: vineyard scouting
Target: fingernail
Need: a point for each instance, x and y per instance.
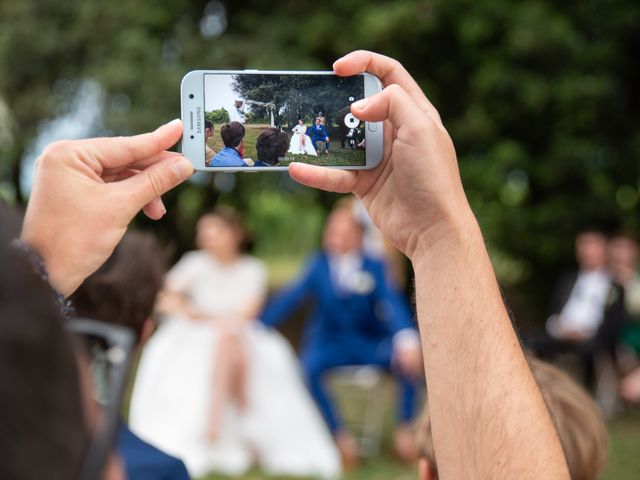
(360, 104)
(183, 168)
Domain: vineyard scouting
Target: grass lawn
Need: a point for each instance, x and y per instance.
(337, 156)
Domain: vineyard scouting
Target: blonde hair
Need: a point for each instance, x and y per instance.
(577, 419)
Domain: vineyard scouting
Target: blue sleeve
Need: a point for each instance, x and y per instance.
(283, 303)
(393, 305)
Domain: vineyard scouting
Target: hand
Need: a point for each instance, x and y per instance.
(415, 195)
(408, 361)
(85, 193)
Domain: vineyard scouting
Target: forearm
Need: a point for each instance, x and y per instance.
(484, 402)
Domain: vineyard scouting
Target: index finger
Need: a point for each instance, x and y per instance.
(389, 71)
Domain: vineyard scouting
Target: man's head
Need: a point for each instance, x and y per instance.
(576, 417)
(318, 121)
(208, 129)
(591, 250)
(43, 431)
(238, 103)
(123, 291)
(623, 257)
(272, 145)
(342, 232)
(232, 134)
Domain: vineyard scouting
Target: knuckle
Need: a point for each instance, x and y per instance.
(156, 184)
(57, 149)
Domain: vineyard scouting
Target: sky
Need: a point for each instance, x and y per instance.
(218, 93)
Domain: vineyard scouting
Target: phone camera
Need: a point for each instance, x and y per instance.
(192, 137)
(191, 95)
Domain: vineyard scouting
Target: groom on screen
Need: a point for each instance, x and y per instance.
(319, 137)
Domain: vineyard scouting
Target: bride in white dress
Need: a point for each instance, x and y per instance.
(215, 388)
(300, 142)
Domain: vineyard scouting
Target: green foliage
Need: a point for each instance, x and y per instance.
(217, 117)
(541, 98)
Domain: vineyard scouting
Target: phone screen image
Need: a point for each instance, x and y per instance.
(266, 120)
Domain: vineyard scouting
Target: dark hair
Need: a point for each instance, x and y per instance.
(44, 433)
(232, 134)
(124, 290)
(234, 220)
(272, 145)
(208, 124)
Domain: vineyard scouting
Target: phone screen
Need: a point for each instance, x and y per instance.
(263, 120)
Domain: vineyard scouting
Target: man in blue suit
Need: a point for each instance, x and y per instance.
(231, 155)
(358, 318)
(319, 136)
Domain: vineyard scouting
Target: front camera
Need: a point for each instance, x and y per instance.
(191, 95)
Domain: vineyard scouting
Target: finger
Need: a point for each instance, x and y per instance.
(127, 151)
(394, 104)
(120, 175)
(389, 71)
(155, 209)
(154, 181)
(329, 179)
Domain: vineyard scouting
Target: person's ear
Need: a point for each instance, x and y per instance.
(148, 328)
(425, 470)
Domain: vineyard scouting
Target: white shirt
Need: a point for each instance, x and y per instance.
(236, 114)
(584, 311)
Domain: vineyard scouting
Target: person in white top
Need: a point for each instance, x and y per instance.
(216, 387)
(300, 142)
(236, 111)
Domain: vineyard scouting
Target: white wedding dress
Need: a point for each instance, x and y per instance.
(280, 429)
(295, 145)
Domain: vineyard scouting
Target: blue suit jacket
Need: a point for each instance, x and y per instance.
(343, 319)
(318, 133)
(145, 462)
(227, 157)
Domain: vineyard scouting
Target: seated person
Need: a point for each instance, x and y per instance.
(271, 147)
(581, 429)
(124, 291)
(231, 155)
(358, 318)
(319, 136)
(208, 151)
(588, 311)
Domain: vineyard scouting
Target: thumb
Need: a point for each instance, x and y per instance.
(154, 181)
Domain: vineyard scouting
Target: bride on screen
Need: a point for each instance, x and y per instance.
(216, 389)
(300, 142)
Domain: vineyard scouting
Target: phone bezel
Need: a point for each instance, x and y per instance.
(192, 114)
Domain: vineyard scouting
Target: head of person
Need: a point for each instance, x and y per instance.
(208, 129)
(318, 121)
(272, 145)
(46, 422)
(591, 250)
(623, 256)
(300, 121)
(123, 291)
(342, 232)
(238, 103)
(232, 134)
(578, 421)
(222, 233)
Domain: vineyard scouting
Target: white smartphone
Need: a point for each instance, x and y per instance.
(254, 120)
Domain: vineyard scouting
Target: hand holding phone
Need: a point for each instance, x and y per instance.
(263, 121)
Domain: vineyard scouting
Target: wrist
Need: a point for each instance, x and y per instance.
(451, 234)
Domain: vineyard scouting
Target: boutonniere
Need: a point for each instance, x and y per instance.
(613, 296)
(361, 282)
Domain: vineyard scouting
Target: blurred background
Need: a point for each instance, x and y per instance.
(542, 100)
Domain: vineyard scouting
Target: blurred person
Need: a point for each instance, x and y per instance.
(212, 387)
(588, 308)
(271, 147)
(489, 414)
(47, 411)
(623, 261)
(358, 318)
(319, 136)
(123, 291)
(300, 142)
(580, 425)
(233, 152)
(208, 151)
